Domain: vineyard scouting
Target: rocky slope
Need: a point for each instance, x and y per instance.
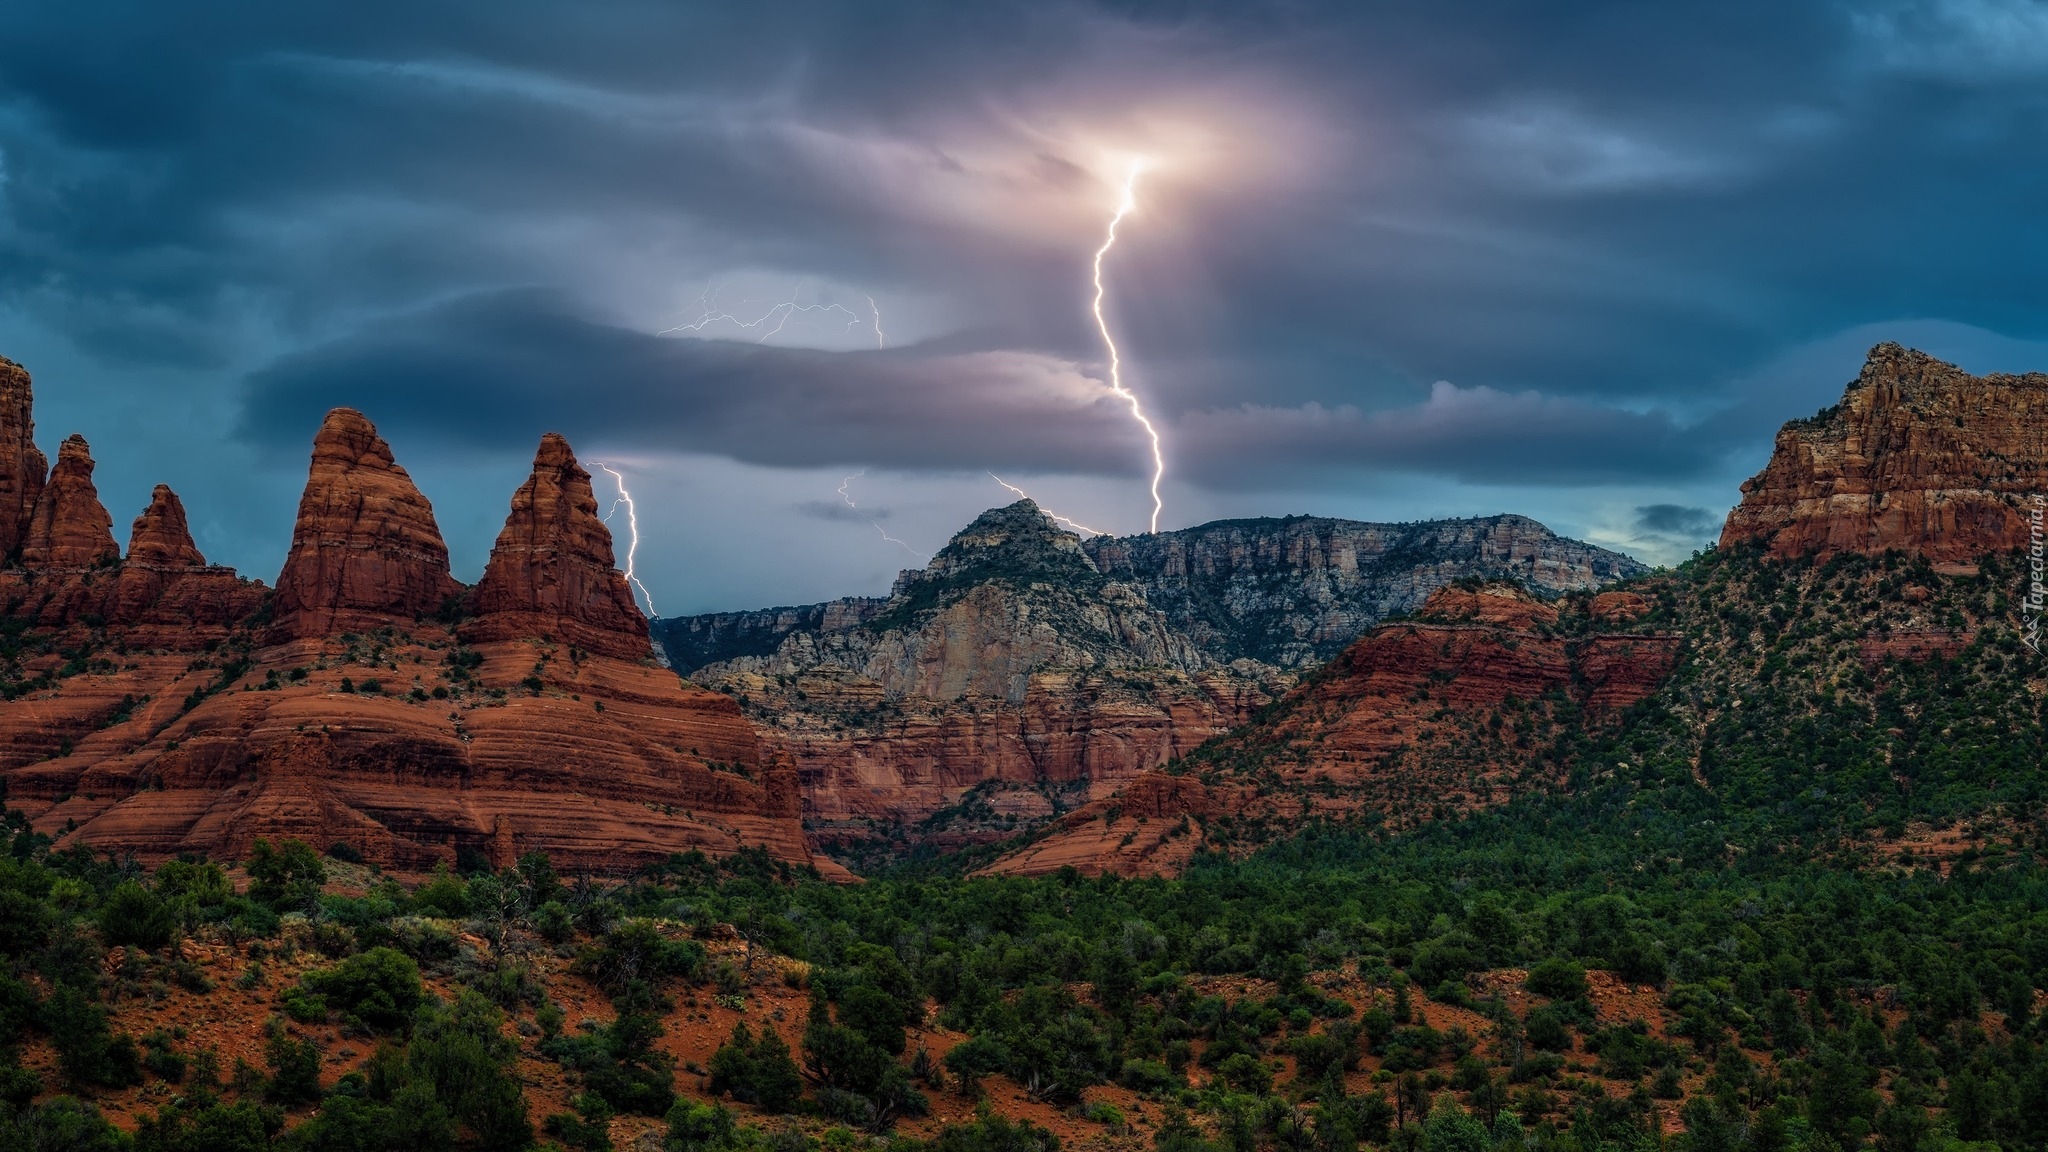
(1293, 592)
(1010, 668)
(1287, 591)
(1025, 671)
(1918, 456)
(157, 705)
(1462, 706)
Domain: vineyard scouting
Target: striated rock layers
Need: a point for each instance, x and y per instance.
(1010, 663)
(156, 705)
(1458, 708)
(1918, 456)
(1295, 591)
(366, 552)
(551, 572)
(1289, 591)
(23, 467)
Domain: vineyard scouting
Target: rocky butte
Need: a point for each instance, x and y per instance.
(1025, 672)
(1918, 456)
(1470, 701)
(156, 705)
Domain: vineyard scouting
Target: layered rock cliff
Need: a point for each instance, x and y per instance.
(157, 705)
(1294, 591)
(23, 468)
(552, 571)
(366, 552)
(1463, 706)
(1009, 663)
(1918, 456)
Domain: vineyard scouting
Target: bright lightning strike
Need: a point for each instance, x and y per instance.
(873, 523)
(779, 315)
(880, 340)
(1125, 203)
(1022, 495)
(632, 531)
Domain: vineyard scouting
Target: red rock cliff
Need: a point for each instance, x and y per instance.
(366, 551)
(1918, 456)
(22, 465)
(552, 571)
(70, 528)
(1415, 719)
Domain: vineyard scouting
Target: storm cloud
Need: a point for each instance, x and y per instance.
(1388, 261)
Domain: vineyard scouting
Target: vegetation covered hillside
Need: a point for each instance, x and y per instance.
(1793, 901)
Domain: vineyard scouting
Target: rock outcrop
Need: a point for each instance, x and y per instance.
(70, 528)
(152, 708)
(160, 537)
(366, 552)
(1918, 456)
(23, 468)
(551, 572)
(1294, 591)
(1009, 663)
(1456, 709)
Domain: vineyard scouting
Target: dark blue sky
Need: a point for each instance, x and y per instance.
(1389, 261)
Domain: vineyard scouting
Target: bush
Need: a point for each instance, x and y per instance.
(294, 1069)
(636, 951)
(1558, 979)
(88, 1054)
(134, 916)
(62, 1123)
(286, 878)
(379, 988)
(1547, 1032)
(757, 1071)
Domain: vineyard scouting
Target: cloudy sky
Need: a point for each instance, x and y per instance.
(1387, 261)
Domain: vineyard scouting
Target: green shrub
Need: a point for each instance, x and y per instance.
(379, 988)
(1558, 979)
(134, 916)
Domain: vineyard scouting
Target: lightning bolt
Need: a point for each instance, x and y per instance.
(632, 531)
(711, 314)
(880, 340)
(872, 523)
(1021, 495)
(1125, 203)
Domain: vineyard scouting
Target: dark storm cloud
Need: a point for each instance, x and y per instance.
(491, 371)
(488, 371)
(1675, 519)
(470, 219)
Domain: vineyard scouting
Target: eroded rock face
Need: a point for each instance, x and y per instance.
(552, 572)
(1295, 591)
(167, 716)
(1009, 660)
(1402, 724)
(70, 528)
(366, 552)
(160, 535)
(23, 467)
(1918, 456)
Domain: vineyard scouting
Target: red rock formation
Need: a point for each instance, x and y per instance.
(551, 572)
(70, 527)
(167, 721)
(1441, 713)
(22, 465)
(1918, 456)
(160, 535)
(366, 552)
